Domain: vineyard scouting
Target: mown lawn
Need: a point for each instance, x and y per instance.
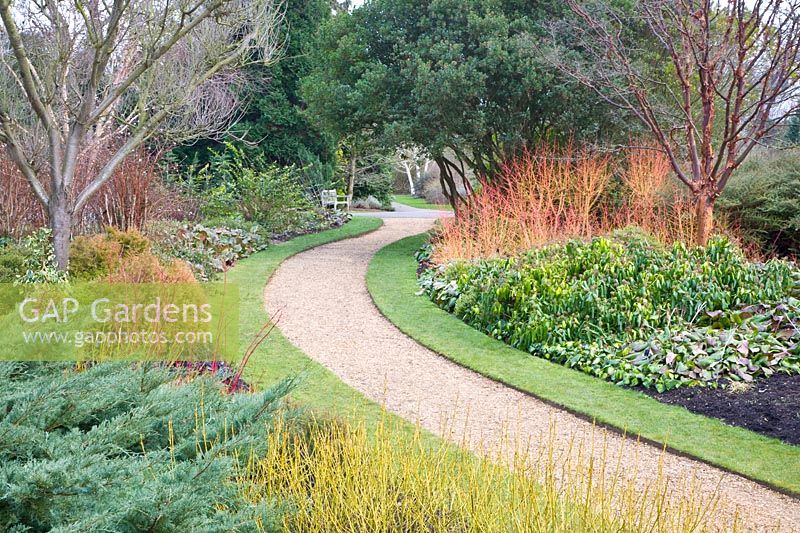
(392, 282)
(420, 203)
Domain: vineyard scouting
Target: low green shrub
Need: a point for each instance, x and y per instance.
(763, 199)
(12, 262)
(379, 185)
(40, 260)
(131, 242)
(631, 311)
(270, 197)
(124, 448)
(208, 250)
(326, 219)
(89, 257)
(793, 131)
(238, 186)
(31, 260)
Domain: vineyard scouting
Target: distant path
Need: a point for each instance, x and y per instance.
(405, 211)
(324, 308)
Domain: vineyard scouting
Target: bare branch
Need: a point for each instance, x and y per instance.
(87, 71)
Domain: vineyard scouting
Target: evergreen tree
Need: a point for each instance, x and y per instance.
(793, 133)
(468, 81)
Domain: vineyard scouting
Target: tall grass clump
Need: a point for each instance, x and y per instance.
(344, 478)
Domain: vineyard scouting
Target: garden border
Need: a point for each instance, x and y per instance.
(391, 281)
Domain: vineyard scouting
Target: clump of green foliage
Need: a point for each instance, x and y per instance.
(123, 448)
(632, 311)
(793, 132)
(12, 262)
(379, 185)
(30, 260)
(763, 199)
(209, 250)
(236, 186)
(40, 265)
(87, 259)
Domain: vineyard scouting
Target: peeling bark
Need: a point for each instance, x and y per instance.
(704, 213)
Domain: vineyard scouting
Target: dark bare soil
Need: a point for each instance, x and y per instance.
(768, 406)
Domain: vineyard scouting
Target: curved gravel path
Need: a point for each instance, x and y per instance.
(321, 299)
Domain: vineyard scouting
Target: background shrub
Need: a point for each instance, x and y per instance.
(12, 262)
(379, 185)
(558, 192)
(20, 211)
(274, 199)
(793, 131)
(763, 199)
(236, 186)
(133, 195)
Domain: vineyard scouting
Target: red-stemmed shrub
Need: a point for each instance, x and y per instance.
(134, 195)
(20, 211)
(551, 194)
(543, 195)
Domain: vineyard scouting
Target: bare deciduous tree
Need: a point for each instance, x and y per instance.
(77, 74)
(414, 163)
(735, 66)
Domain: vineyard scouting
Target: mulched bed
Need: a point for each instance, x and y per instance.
(770, 407)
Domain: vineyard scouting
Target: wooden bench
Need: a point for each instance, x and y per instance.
(331, 199)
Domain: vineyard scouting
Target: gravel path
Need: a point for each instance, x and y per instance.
(324, 309)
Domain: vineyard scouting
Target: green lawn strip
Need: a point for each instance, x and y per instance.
(391, 280)
(420, 203)
(276, 358)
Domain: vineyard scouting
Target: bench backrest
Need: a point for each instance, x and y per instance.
(329, 196)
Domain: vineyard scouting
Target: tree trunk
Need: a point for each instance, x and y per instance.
(61, 225)
(704, 213)
(352, 178)
(448, 184)
(410, 177)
